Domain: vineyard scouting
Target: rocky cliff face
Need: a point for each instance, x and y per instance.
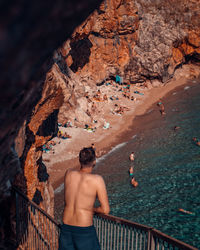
(137, 39)
(40, 127)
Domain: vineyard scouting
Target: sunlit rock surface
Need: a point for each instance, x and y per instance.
(137, 39)
(142, 41)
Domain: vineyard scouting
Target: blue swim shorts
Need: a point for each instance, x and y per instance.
(78, 238)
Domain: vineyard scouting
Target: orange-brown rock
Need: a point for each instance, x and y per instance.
(177, 55)
(104, 41)
(188, 49)
(137, 40)
(194, 38)
(39, 129)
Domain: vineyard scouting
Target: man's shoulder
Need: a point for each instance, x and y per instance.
(97, 178)
(94, 177)
(70, 171)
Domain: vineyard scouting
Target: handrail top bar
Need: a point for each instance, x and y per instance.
(170, 239)
(154, 231)
(35, 205)
(124, 221)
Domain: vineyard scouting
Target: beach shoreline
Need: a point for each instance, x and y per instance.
(118, 133)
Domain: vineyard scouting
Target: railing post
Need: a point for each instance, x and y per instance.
(151, 241)
(17, 216)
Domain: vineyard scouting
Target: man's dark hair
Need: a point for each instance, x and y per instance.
(87, 156)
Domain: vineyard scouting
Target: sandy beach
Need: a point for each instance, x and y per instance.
(64, 154)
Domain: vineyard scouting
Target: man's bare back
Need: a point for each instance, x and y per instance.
(81, 190)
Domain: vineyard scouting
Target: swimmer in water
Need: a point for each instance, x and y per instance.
(196, 141)
(132, 156)
(162, 107)
(176, 128)
(185, 211)
(131, 171)
(134, 183)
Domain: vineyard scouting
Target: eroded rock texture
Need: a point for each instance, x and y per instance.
(137, 39)
(40, 128)
(30, 32)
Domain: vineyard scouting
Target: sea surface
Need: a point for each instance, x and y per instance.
(167, 168)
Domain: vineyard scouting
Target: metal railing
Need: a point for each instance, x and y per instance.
(35, 229)
(119, 234)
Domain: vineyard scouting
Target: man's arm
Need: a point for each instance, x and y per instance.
(102, 197)
(65, 183)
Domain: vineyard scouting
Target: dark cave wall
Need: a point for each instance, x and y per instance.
(30, 32)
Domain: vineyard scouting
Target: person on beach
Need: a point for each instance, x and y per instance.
(105, 98)
(92, 146)
(88, 98)
(132, 156)
(59, 135)
(81, 189)
(162, 107)
(88, 112)
(94, 107)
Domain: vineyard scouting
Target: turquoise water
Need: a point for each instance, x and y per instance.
(167, 167)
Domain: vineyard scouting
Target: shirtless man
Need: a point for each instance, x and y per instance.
(81, 189)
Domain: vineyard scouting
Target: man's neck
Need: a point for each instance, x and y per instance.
(87, 169)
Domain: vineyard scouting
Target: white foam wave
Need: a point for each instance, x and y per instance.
(59, 189)
(149, 111)
(111, 151)
(187, 87)
(133, 137)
